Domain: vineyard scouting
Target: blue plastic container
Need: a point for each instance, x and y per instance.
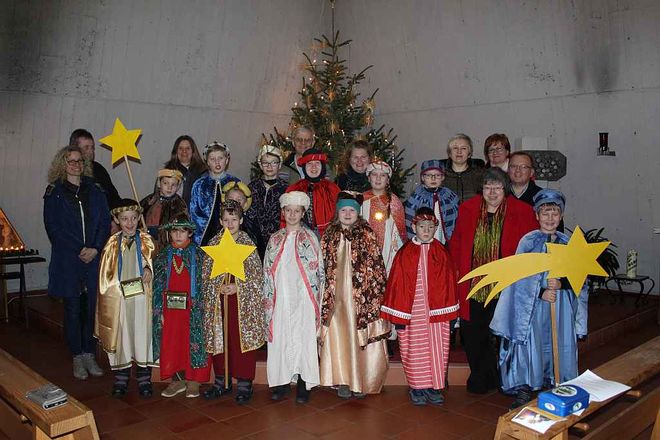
(563, 400)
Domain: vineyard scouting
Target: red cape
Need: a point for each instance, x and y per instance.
(324, 201)
(441, 279)
(519, 219)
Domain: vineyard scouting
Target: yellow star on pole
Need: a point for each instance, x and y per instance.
(228, 256)
(122, 142)
(574, 260)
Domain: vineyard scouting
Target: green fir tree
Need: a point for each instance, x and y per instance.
(329, 103)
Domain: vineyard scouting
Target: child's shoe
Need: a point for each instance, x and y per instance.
(146, 390)
(434, 396)
(243, 391)
(302, 393)
(344, 392)
(79, 371)
(280, 392)
(174, 388)
(192, 389)
(90, 365)
(523, 396)
(417, 397)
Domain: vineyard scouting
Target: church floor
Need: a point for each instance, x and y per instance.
(388, 415)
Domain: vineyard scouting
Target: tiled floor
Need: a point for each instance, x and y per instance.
(388, 415)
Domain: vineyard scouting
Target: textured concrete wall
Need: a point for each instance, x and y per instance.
(225, 70)
(556, 69)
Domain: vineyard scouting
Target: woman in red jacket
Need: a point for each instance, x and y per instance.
(488, 228)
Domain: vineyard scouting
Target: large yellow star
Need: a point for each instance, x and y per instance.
(122, 142)
(228, 256)
(576, 259)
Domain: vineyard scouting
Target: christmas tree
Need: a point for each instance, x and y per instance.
(329, 104)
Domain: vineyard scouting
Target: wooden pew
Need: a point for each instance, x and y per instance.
(21, 418)
(631, 368)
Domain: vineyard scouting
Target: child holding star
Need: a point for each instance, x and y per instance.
(163, 205)
(245, 313)
(522, 315)
(420, 301)
(178, 308)
(123, 311)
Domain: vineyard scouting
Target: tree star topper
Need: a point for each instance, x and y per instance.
(228, 256)
(574, 260)
(122, 142)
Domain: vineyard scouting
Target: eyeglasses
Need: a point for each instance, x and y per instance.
(493, 189)
(303, 140)
(432, 176)
(520, 167)
(496, 150)
(270, 164)
(75, 162)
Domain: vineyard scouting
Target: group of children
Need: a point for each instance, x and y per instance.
(324, 307)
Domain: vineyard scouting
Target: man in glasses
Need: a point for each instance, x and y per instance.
(303, 140)
(521, 171)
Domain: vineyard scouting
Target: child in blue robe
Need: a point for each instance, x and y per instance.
(522, 317)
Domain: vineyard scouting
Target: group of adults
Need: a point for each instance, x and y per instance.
(494, 201)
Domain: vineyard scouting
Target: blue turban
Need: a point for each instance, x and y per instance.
(549, 196)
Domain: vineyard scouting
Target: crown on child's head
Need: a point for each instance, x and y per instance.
(126, 205)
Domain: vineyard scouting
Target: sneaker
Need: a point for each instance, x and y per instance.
(280, 392)
(523, 396)
(192, 389)
(90, 365)
(417, 397)
(434, 396)
(174, 388)
(79, 370)
(344, 392)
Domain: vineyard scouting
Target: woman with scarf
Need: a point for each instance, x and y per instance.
(353, 350)
(489, 227)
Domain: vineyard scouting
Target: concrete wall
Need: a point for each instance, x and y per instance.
(556, 69)
(228, 70)
(225, 70)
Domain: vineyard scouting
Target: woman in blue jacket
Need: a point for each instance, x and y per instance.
(77, 222)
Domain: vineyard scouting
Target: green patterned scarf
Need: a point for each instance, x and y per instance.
(486, 246)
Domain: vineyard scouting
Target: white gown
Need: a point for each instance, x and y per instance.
(294, 347)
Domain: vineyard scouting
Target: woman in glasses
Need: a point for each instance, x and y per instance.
(489, 227)
(497, 149)
(77, 222)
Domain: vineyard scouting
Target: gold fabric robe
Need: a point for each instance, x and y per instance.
(250, 301)
(106, 325)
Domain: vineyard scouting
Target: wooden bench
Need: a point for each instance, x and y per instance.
(631, 368)
(21, 418)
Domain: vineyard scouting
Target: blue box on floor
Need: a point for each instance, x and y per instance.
(563, 400)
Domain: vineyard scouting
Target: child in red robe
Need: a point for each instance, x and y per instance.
(178, 309)
(420, 300)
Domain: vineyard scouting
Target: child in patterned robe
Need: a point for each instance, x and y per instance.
(178, 307)
(246, 329)
(420, 300)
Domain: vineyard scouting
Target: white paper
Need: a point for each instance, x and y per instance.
(533, 418)
(599, 389)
